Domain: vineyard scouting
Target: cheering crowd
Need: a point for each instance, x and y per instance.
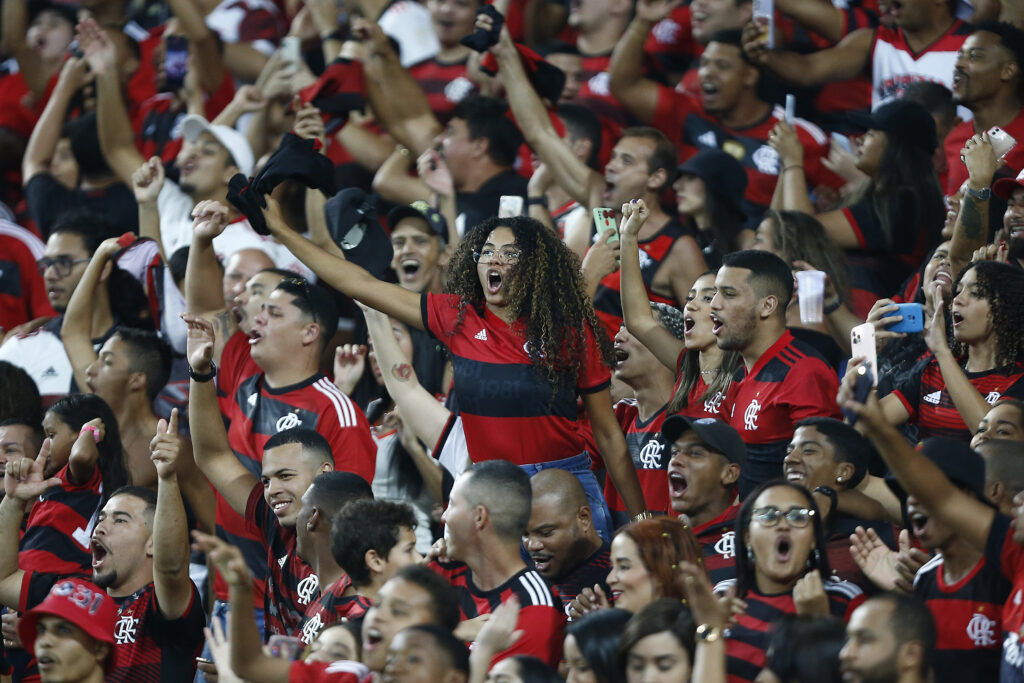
(598, 341)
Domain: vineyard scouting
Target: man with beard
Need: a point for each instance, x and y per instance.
(783, 380)
(1012, 190)
(729, 115)
(890, 639)
(987, 80)
(139, 556)
(560, 538)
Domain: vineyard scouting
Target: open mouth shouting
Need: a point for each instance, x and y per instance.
(609, 188)
(957, 317)
(408, 269)
(783, 548)
(716, 325)
(918, 522)
(494, 280)
(254, 337)
(372, 639)
(677, 485)
(100, 553)
(542, 561)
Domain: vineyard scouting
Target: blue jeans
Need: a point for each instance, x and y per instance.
(579, 466)
(220, 613)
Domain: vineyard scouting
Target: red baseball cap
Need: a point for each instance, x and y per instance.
(79, 602)
(1004, 187)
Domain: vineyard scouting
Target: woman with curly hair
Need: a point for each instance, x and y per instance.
(954, 389)
(525, 341)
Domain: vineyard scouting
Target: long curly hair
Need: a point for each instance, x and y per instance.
(545, 294)
(1003, 286)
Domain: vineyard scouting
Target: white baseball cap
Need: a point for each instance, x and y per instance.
(233, 141)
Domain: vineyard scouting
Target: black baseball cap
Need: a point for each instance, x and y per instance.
(903, 119)
(436, 224)
(958, 461)
(721, 172)
(351, 217)
(715, 434)
(67, 10)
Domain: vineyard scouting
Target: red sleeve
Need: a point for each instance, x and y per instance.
(256, 512)
(234, 360)
(346, 429)
(542, 635)
(439, 313)
(816, 147)
(221, 97)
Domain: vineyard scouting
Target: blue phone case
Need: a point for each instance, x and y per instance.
(913, 319)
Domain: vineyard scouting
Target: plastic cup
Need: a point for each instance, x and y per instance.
(810, 287)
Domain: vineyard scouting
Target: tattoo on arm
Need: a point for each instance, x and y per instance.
(402, 372)
(970, 218)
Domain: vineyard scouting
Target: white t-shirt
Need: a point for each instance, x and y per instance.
(175, 209)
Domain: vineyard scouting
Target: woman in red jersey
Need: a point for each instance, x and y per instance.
(524, 340)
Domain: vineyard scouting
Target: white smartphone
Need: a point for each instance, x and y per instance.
(291, 50)
(842, 141)
(862, 343)
(790, 109)
(764, 17)
(510, 205)
(1002, 142)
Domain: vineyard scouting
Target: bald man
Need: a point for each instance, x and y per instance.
(241, 266)
(561, 539)
(1004, 471)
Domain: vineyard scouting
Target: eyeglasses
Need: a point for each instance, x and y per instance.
(62, 264)
(507, 256)
(795, 517)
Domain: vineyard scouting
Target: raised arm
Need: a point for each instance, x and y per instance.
(626, 72)
(14, 25)
(147, 181)
(204, 49)
(346, 277)
(76, 330)
(394, 95)
(248, 660)
(46, 133)
(23, 482)
(636, 305)
(210, 445)
(920, 477)
(117, 139)
(848, 58)
(421, 412)
(532, 118)
(970, 232)
(202, 267)
(170, 530)
(819, 16)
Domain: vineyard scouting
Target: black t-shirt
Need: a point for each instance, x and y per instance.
(472, 208)
(48, 200)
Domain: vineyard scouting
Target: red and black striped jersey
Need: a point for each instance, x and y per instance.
(591, 572)
(444, 84)
(932, 409)
(150, 648)
(540, 617)
(595, 94)
(59, 529)
(158, 120)
(505, 402)
(255, 412)
(789, 382)
(653, 252)
(968, 620)
(670, 43)
(717, 538)
(683, 119)
(747, 641)
(332, 607)
(650, 457)
(696, 404)
(1002, 552)
(292, 586)
(563, 214)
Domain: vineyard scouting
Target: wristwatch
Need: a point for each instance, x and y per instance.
(981, 195)
(204, 377)
(709, 633)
